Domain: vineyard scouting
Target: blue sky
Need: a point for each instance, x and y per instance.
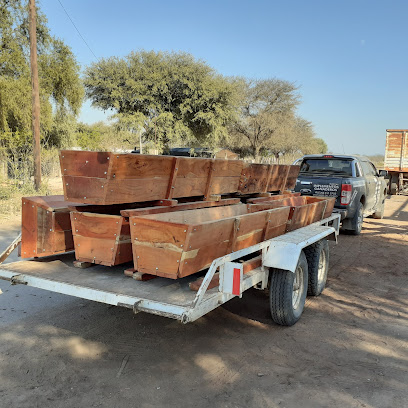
(350, 58)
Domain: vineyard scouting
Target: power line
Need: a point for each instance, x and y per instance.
(76, 28)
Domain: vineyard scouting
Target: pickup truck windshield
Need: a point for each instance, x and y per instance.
(341, 166)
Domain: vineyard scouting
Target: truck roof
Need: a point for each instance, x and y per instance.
(340, 156)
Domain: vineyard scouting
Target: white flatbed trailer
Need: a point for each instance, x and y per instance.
(174, 298)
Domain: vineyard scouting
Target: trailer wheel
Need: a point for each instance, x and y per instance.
(287, 293)
(393, 188)
(317, 256)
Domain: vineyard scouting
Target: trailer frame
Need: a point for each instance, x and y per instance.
(170, 299)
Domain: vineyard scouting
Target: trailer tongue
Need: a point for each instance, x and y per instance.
(170, 298)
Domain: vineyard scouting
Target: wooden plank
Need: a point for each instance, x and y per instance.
(271, 198)
(129, 272)
(123, 252)
(140, 166)
(116, 209)
(172, 179)
(292, 176)
(208, 186)
(193, 167)
(100, 251)
(199, 259)
(234, 234)
(83, 163)
(254, 178)
(278, 177)
(45, 235)
(142, 277)
(102, 226)
(62, 242)
(252, 264)
(215, 281)
(180, 207)
(156, 260)
(28, 229)
(198, 216)
(62, 221)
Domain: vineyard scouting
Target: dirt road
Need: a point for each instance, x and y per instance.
(348, 350)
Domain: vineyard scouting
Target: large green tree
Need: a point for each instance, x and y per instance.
(169, 97)
(61, 90)
(266, 114)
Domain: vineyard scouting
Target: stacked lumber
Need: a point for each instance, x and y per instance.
(181, 243)
(104, 178)
(45, 226)
(105, 238)
(304, 210)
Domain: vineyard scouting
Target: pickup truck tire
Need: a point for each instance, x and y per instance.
(317, 256)
(287, 293)
(380, 212)
(357, 221)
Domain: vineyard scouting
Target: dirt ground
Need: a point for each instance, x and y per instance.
(349, 349)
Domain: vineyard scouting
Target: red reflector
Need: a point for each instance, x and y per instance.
(236, 282)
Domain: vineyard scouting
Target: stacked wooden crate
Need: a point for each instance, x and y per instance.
(45, 226)
(108, 178)
(304, 210)
(105, 238)
(178, 244)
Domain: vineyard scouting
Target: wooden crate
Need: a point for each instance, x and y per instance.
(305, 210)
(101, 238)
(257, 178)
(108, 178)
(45, 226)
(105, 178)
(105, 238)
(181, 243)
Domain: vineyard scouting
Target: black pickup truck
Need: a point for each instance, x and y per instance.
(359, 187)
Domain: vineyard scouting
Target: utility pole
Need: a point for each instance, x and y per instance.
(35, 96)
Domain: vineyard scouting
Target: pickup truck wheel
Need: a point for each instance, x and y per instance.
(287, 293)
(357, 221)
(317, 256)
(380, 212)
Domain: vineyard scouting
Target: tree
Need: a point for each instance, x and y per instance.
(169, 97)
(266, 115)
(60, 85)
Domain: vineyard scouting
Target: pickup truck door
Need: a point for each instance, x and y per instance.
(372, 186)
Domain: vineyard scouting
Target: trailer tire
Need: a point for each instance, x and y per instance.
(317, 256)
(393, 188)
(287, 293)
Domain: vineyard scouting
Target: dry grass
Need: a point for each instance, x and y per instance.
(11, 193)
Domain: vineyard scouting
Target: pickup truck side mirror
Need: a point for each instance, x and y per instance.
(383, 173)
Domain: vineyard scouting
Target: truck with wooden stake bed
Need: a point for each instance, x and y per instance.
(396, 160)
(193, 233)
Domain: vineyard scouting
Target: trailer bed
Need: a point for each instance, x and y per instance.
(162, 296)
